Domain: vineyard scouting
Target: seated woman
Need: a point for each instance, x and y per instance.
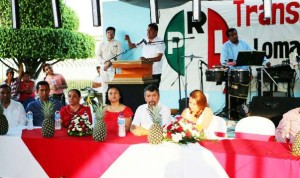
(68, 112)
(198, 112)
(26, 90)
(114, 107)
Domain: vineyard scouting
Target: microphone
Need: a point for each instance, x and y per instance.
(143, 41)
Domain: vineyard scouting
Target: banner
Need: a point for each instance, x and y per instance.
(277, 36)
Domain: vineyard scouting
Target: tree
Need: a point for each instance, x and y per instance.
(37, 42)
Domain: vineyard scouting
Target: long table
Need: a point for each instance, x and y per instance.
(68, 156)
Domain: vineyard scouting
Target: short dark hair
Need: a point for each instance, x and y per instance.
(154, 26)
(230, 30)
(98, 67)
(42, 83)
(111, 28)
(151, 88)
(106, 94)
(5, 86)
(9, 70)
(28, 73)
(76, 91)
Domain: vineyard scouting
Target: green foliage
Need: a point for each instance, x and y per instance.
(38, 14)
(48, 44)
(37, 41)
(34, 47)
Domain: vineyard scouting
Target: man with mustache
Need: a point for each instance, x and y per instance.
(142, 120)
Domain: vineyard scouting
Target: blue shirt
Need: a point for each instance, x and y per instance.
(231, 50)
(36, 108)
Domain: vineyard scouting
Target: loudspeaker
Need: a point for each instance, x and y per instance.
(272, 107)
(96, 13)
(56, 13)
(182, 105)
(15, 14)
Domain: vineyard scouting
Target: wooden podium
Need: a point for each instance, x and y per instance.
(133, 77)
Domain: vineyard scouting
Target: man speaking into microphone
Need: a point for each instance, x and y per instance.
(153, 50)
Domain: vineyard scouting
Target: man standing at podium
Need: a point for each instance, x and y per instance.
(153, 50)
(107, 50)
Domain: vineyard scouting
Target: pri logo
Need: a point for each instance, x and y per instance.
(182, 26)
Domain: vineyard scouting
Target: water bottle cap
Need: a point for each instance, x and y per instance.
(57, 115)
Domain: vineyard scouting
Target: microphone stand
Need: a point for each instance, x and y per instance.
(186, 83)
(201, 74)
(115, 57)
(176, 40)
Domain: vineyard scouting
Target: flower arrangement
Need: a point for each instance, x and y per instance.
(183, 131)
(80, 126)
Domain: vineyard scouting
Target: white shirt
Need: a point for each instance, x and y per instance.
(151, 50)
(142, 117)
(107, 50)
(102, 78)
(15, 114)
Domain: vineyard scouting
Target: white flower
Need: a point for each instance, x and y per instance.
(73, 129)
(183, 134)
(176, 137)
(79, 129)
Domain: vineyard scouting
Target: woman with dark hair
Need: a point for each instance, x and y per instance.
(57, 84)
(198, 111)
(68, 112)
(26, 90)
(114, 100)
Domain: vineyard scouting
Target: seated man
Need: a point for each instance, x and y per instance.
(142, 120)
(288, 126)
(43, 90)
(13, 110)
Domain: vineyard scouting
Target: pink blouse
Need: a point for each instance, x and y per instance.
(55, 79)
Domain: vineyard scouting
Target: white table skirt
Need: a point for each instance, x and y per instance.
(166, 160)
(16, 161)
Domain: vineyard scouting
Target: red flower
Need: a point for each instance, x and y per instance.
(84, 129)
(188, 134)
(179, 129)
(170, 127)
(169, 135)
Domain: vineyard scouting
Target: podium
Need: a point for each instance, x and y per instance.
(131, 79)
(133, 70)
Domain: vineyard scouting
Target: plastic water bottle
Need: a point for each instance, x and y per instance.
(94, 119)
(29, 116)
(121, 124)
(57, 121)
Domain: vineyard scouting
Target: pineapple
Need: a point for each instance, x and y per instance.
(99, 131)
(155, 135)
(3, 122)
(48, 122)
(296, 145)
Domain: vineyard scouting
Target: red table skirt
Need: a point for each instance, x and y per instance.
(68, 156)
(255, 159)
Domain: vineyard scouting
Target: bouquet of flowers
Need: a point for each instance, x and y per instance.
(183, 131)
(80, 126)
